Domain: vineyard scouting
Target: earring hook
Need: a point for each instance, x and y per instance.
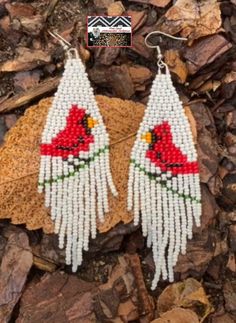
(160, 62)
(65, 44)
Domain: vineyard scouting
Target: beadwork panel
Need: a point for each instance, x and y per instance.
(75, 167)
(164, 178)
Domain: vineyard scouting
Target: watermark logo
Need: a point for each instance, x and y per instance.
(109, 31)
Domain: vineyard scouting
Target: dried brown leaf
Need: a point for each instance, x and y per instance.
(178, 315)
(193, 19)
(187, 294)
(19, 159)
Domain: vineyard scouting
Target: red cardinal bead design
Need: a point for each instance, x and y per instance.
(74, 172)
(164, 153)
(75, 137)
(164, 191)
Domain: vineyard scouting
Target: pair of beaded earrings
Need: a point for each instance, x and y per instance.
(163, 185)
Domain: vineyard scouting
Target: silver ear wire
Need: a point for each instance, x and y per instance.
(71, 51)
(160, 63)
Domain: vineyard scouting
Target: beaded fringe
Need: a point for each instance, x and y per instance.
(75, 169)
(164, 186)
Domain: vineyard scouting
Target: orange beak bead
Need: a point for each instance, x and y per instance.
(147, 137)
(92, 122)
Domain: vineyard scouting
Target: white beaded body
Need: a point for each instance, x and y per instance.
(164, 185)
(75, 168)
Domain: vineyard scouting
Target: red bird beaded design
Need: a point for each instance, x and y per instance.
(164, 153)
(75, 137)
(164, 183)
(74, 171)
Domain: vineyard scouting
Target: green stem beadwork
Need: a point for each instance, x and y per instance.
(164, 183)
(77, 168)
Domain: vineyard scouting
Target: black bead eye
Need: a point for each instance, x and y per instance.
(81, 140)
(155, 138)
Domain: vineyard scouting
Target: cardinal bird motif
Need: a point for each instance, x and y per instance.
(75, 137)
(164, 153)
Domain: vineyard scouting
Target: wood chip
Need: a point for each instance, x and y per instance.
(27, 60)
(106, 56)
(139, 74)
(146, 303)
(140, 47)
(26, 80)
(192, 18)
(121, 81)
(20, 9)
(103, 3)
(30, 25)
(15, 266)
(157, 3)
(29, 95)
(229, 291)
(138, 18)
(176, 65)
(115, 9)
(205, 51)
(65, 297)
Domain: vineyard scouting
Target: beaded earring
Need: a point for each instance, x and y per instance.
(164, 185)
(75, 169)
